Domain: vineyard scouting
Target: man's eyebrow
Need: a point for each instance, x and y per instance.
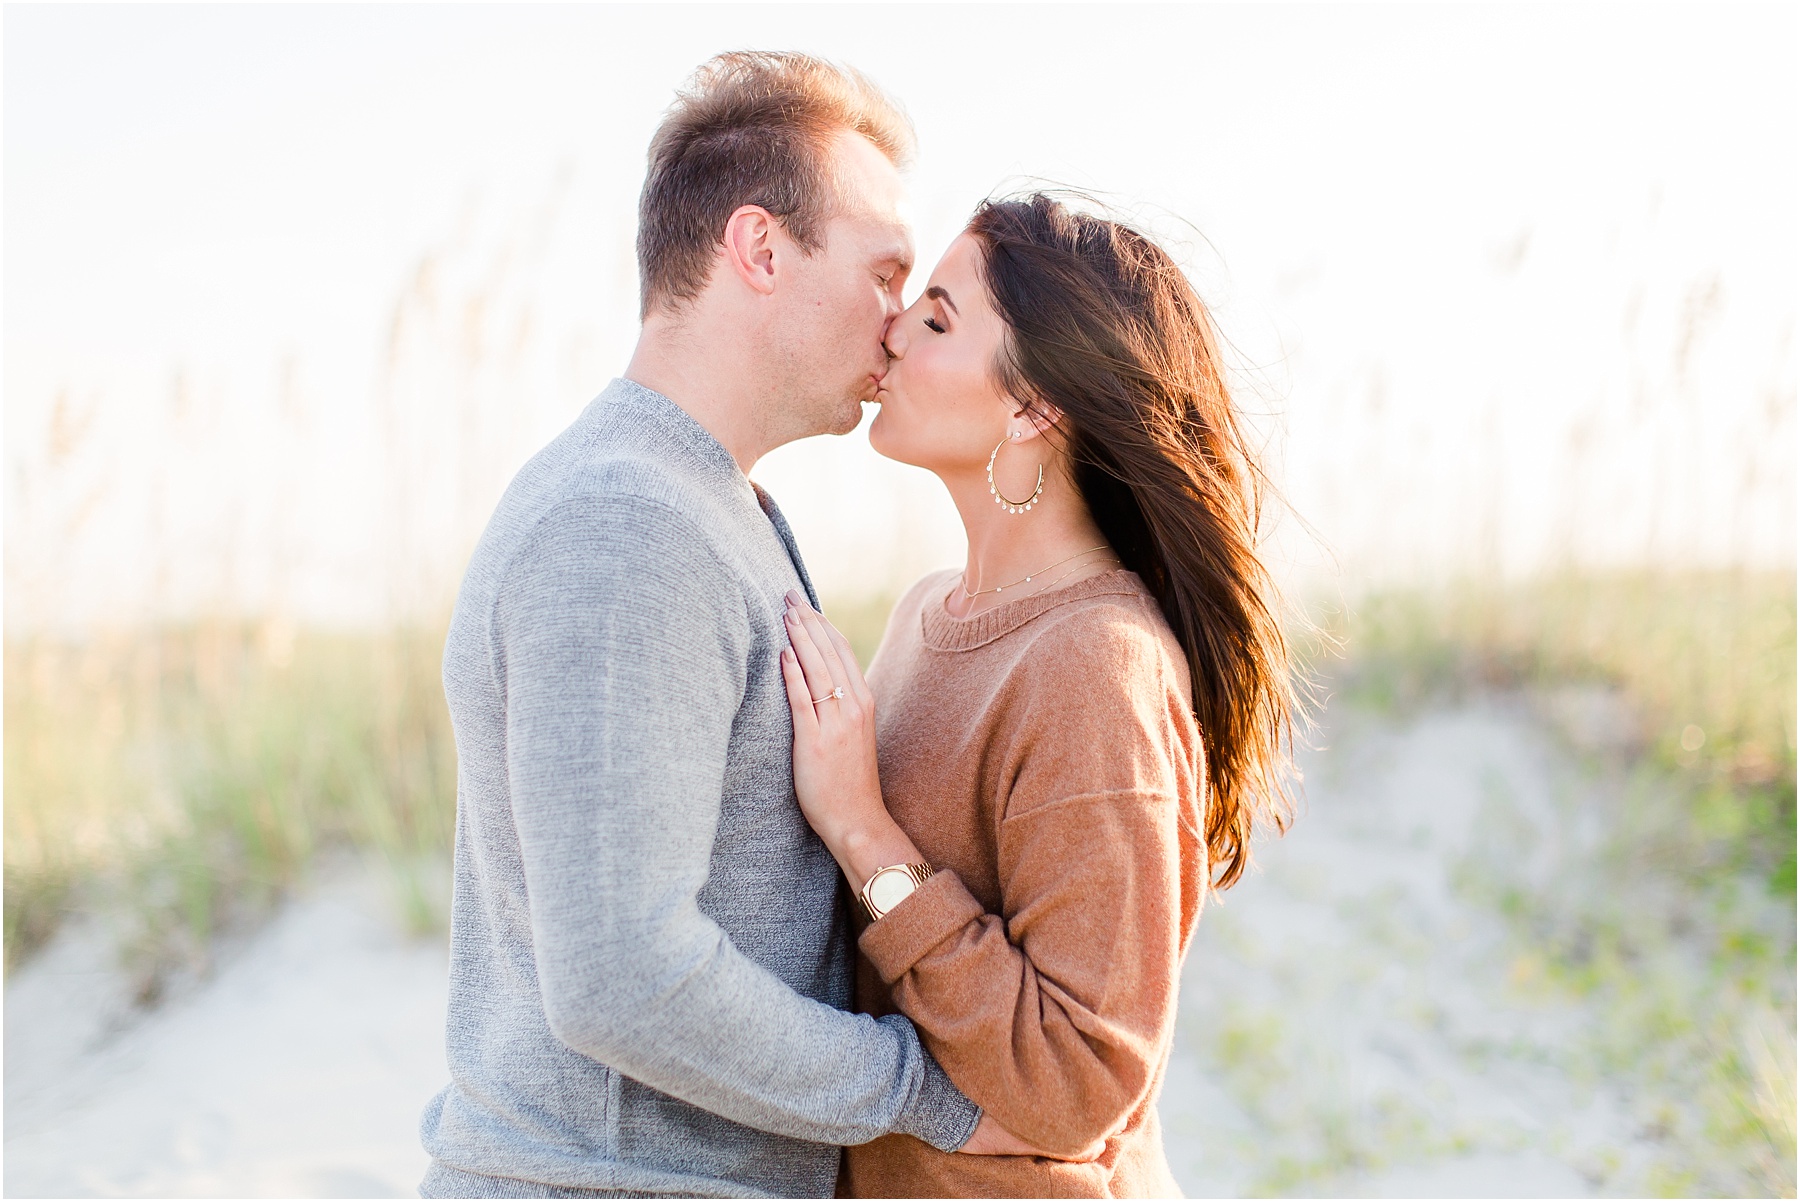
(898, 256)
(936, 293)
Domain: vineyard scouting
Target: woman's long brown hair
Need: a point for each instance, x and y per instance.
(1104, 327)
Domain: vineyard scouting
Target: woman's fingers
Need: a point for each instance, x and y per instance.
(799, 700)
(813, 663)
(818, 628)
(847, 657)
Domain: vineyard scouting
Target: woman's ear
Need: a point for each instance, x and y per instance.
(1032, 421)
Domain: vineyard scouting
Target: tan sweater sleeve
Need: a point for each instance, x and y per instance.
(1054, 1014)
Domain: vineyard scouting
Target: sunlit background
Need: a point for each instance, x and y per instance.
(290, 292)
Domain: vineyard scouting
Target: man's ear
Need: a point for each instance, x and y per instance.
(751, 234)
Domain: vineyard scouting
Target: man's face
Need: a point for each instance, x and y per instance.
(842, 298)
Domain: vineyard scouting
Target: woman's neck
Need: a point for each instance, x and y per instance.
(1056, 542)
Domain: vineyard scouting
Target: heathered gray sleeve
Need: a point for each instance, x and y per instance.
(620, 645)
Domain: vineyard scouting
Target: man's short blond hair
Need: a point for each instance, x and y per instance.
(751, 128)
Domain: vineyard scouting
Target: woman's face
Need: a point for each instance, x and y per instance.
(942, 407)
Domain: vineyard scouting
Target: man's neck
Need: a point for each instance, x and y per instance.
(704, 378)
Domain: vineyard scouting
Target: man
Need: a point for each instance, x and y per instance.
(648, 957)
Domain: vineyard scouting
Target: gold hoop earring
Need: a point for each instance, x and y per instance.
(1000, 498)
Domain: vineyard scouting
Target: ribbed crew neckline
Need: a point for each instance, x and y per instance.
(945, 633)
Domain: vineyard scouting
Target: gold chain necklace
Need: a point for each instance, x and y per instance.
(963, 584)
(1044, 588)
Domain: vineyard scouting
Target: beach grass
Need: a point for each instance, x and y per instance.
(1674, 928)
(178, 782)
(181, 781)
(237, 749)
(1703, 663)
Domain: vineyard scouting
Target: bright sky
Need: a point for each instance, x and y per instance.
(291, 291)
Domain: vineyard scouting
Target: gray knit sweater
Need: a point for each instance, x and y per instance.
(649, 963)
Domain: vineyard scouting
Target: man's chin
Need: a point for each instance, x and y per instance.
(850, 417)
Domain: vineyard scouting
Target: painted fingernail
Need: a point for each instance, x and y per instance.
(795, 599)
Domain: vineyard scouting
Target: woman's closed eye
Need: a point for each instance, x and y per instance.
(931, 323)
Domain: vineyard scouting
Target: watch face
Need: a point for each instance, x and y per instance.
(889, 889)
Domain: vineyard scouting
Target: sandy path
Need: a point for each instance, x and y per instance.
(298, 1070)
(1350, 1024)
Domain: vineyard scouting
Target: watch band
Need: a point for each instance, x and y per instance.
(903, 877)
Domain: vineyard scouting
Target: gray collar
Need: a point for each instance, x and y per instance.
(653, 407)
(631, 396)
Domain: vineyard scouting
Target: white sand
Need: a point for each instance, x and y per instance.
(1350, 1023)
(298, 1070)
(1353, 1024)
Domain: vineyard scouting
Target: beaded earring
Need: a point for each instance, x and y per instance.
(1000, 498)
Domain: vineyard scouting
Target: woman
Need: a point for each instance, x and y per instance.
(1079, 730)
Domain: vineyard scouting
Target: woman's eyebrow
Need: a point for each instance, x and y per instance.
(936, 293)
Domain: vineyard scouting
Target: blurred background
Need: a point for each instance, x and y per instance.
(291, 292)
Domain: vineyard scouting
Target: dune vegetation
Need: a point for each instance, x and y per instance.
(176, 783)
(1674, 921)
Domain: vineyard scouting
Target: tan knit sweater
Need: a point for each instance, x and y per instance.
(1044, 757)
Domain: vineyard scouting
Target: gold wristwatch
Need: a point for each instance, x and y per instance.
(892, 885)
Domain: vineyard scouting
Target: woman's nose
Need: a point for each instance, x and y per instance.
(894, 341)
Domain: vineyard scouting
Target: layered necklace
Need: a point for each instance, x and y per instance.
(964, 583)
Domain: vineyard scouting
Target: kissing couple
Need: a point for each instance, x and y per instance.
(734, 919)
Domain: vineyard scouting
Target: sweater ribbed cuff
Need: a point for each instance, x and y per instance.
(939, 1114)
(934, 912)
